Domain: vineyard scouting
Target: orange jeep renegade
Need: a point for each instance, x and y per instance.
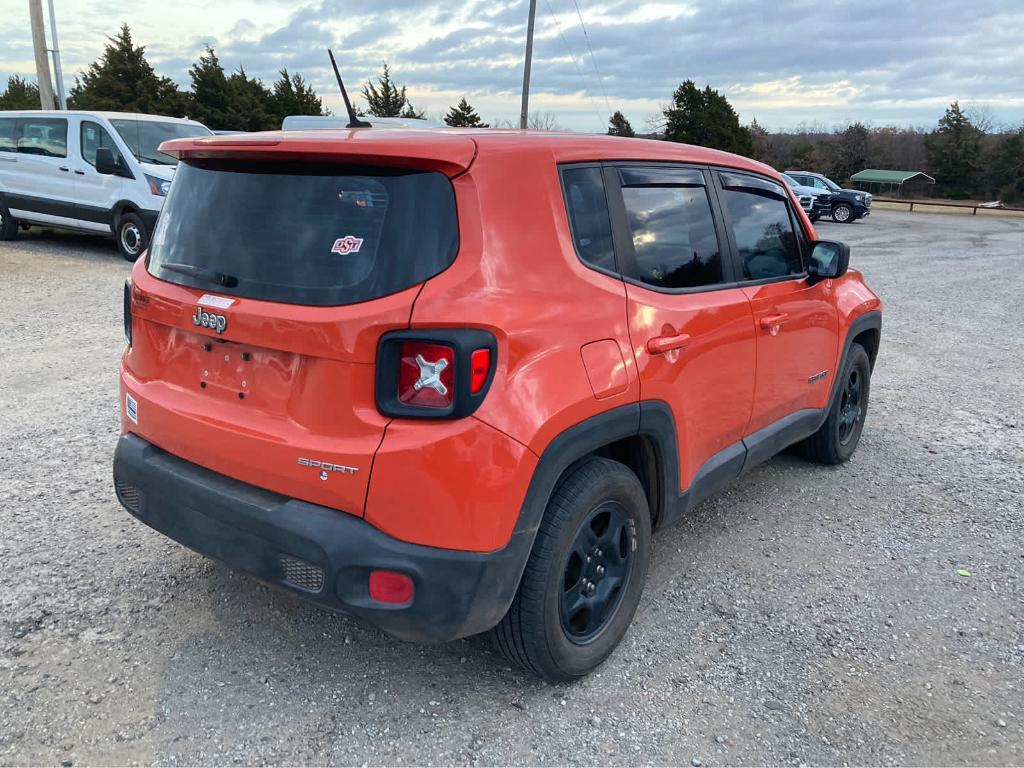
(448, 381)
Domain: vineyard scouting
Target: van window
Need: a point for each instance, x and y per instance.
(8, 142)
(95, 136)
(303, 233)
(765, 239)
(588, 216)
(43, 136)
(674, 236)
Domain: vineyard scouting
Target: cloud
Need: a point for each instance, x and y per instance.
(786, 62)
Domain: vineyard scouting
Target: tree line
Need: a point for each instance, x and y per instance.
(122, 80)
(964, 152)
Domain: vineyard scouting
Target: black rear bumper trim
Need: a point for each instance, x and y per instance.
(260, 532)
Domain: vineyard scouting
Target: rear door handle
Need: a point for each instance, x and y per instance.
(659, 345)
(772, 323)
(65, 168)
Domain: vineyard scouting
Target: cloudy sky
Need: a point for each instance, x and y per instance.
(782, 61)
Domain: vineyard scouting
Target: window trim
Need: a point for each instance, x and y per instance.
(624, 239)
(794, 221)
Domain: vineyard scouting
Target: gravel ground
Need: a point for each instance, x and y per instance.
(807, 615)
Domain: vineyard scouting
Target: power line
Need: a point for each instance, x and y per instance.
(579, 70)
(593, 60)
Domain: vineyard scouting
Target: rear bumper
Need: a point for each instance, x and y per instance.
(318, 553)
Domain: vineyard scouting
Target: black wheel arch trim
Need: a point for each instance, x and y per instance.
(868, 321)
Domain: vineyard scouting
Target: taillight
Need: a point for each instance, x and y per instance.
(426, 376)
(435, 374)
(390, 587)
(128, 311)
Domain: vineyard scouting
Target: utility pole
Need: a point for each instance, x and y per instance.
(35, 12)
(523, 114)
(58, 74)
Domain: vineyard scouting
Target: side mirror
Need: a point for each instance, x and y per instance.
(829, 259)
(108, 166)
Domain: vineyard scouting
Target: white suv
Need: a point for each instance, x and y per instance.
(88, 171)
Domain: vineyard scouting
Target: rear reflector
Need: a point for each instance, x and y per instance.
(480, 363)
(426, 375)
(390, 587)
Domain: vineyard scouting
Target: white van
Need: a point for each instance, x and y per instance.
(87, 171)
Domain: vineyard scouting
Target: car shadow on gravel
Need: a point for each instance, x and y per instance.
(50, 242)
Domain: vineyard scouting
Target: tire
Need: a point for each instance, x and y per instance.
(541, 632)
(836, 440)
(132, 237)
(842, 213)
(8, 224)
(813, 217)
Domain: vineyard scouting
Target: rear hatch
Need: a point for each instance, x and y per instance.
(257, 314)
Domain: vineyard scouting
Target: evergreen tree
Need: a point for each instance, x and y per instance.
(250, 100)
(20, 94)
(851, 153)
(954, 153)
(1007, 168)
(618, 125)
(462, 115)
(385, 99)
(292, 96)
(705, 118)
(211, 99)
(123, 81)
(761, 147)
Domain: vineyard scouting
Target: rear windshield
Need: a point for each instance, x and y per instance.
(304, 233)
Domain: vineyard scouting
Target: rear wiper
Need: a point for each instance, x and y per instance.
(228, 281)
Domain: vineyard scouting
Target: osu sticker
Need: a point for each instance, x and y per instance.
(347, 244)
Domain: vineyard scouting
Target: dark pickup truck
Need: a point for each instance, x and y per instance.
(848, 205)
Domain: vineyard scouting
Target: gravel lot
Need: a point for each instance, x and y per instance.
(807, 615)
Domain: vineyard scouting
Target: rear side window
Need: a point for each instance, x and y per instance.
(304, 233)
(674, 236)
(8, 143)
(588, 216)
(95, 136)
(43, 136)
(765, 239)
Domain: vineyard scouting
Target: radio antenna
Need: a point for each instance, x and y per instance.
(353, 118)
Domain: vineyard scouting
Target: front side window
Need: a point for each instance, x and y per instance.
(588, 216)
(143, 137)
(765, 239)
(95, 136)
(43, 136)
(674, 236)
(304, 233)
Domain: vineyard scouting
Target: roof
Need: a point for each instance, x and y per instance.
(888, 177)
(96, 113)
(451, 150)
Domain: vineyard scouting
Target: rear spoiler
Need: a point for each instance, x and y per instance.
(429, 150)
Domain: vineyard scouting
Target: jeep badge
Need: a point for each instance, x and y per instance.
(209, 320)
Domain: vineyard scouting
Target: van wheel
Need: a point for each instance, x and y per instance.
(585, 574)
(837, 439)
(8, 224)
(132, 237)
